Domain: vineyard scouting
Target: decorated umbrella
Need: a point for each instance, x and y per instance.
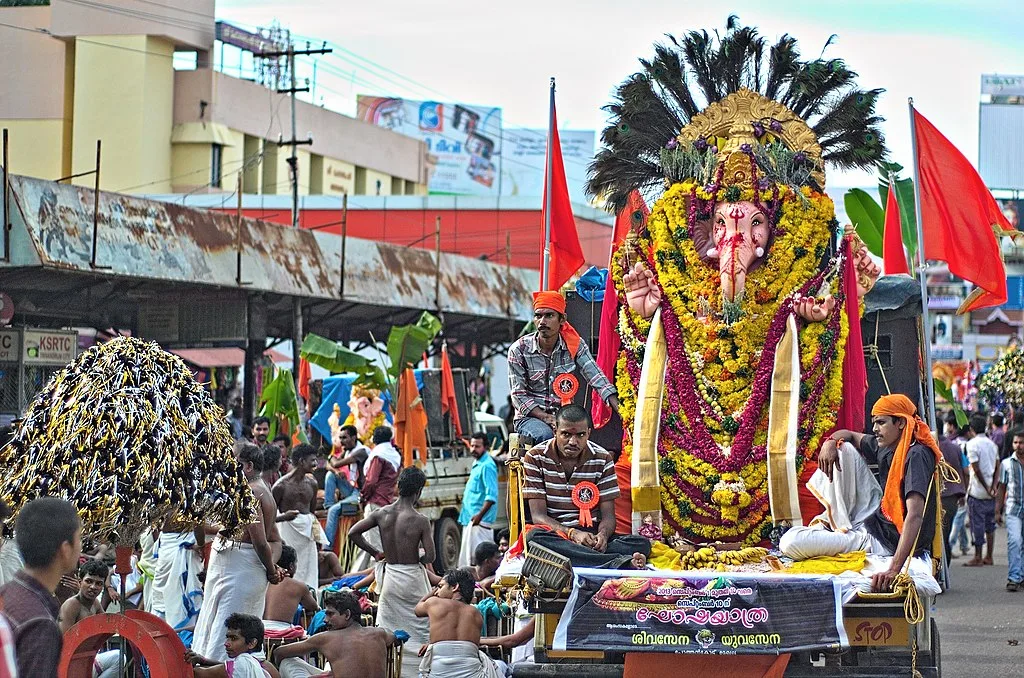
(128, 436)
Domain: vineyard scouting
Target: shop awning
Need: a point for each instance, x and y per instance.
(223, 357)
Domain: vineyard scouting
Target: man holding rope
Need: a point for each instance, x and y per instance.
(891, 515)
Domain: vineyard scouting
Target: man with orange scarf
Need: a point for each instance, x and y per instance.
(893, 515)
(535, 360)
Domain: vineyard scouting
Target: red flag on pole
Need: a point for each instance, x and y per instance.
(304, 377)
(958, 213)
(566, 255)
(608, 342)
(894, 259)
(449, 404)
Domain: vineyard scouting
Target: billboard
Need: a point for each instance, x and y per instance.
(1001, 131)
(463, 141)
(523, 161)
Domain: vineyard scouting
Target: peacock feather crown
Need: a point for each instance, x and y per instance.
(730, 110)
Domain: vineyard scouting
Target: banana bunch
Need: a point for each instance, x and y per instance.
(707, 558)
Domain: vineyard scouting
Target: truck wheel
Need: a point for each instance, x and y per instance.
(447, 543)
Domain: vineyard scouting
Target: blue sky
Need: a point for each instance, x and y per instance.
(503, 54)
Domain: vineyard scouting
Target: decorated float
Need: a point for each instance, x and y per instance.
(739, 299)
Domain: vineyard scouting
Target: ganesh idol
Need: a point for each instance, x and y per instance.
(737, 291)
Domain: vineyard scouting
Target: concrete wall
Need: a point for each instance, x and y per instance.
(187, 24)
(255, 110)
(123, 96)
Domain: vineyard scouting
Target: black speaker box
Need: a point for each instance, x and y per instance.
(440, 430)
(585, 316)
(890, 327)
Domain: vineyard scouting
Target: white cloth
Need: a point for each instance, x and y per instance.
(849, 499)
(293, 667)
(147, 565)
(400, 587)
(982, 450)
(236, 581)
(301, 535)
(105, 664)
(473, 536)
(245, 665)
(456, 659)
(385, 451)
(10, 560)
(177, 591)
(363, 559)
(275, 625)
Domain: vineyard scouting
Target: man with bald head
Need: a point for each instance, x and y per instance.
(537, 359)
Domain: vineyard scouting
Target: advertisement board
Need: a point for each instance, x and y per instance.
(10, 346)
(689, 612)
(463, 141)
(525, 153)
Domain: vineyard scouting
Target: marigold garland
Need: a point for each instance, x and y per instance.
(714, 420)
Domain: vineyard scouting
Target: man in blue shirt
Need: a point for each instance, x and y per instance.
(480, 501)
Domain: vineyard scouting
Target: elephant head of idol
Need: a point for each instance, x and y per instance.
(735, 240)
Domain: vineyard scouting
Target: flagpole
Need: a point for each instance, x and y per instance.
(546, 263)
(926, 338)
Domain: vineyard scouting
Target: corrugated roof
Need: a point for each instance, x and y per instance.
(150, 240)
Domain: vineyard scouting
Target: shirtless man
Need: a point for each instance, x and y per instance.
(284, 598)
(455, 626)
(92, 580)
(240, 571)
(295, 494)
(401, 574)
(351, 649)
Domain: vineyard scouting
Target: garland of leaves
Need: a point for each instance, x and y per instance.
(1003, 383)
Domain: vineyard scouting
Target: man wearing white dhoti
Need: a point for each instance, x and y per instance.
(239, 571)
(378, 490)
(455, 626)
(479, 501)
(401, 577)
(295, 494)
(177, 591)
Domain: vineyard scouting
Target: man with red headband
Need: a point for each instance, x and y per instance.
(538, 358)
(893, 515)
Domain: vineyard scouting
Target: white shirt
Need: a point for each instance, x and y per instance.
(983, 451)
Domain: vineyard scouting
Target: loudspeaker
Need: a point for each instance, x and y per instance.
(895, 358)
(440, 430)
(585, 316)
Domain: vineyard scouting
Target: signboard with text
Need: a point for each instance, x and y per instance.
(50, 347)
(10, 346)
(524, 156)
(733, 613)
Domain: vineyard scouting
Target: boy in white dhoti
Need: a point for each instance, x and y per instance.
(239, 571)
(244, 646)
(295, 495)
(401, 576)
(455, 626)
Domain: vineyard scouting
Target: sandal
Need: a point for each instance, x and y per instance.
(1012, 586)
(986, 561)
(974, 562)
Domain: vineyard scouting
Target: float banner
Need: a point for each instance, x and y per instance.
(630, 611)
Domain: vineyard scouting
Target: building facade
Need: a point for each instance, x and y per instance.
(74, 73)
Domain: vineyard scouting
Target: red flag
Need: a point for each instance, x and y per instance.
(449, 404)
(608, 342)
(566, 253)
(958, 214)
(304, 376)
(894, 259)
(855, 376)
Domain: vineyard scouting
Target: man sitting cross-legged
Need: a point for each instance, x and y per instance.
(566, 474)
(455, 627)
(244, 645)
(352, 650)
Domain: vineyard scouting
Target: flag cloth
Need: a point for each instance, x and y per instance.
(304, 376)
(958, 214)
(410, 418)
(634, 214)
(894, 259)
(449, 404)
(566, 255)
(855, 375)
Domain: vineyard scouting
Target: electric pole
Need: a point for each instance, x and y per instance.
(293, 164)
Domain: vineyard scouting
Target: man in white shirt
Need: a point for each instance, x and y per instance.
(983, 455)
